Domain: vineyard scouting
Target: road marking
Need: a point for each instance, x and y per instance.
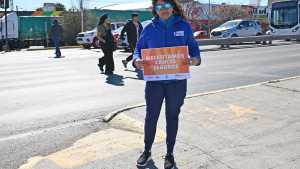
(100, 145)
(240, 111)
(232, 112)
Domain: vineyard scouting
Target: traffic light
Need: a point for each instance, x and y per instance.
(6, 2)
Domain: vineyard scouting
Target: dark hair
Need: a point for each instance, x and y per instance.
(134, 15)
(55, 22)
(176, 7)
(102, 19)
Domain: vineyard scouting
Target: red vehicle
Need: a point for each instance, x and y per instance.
(201, 34)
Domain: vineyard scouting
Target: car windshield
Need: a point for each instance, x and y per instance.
(284, 15)
(230, 24)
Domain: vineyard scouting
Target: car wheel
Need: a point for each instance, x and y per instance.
(87, 46)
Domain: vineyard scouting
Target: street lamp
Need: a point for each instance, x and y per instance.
(81, 14)
(209, 19)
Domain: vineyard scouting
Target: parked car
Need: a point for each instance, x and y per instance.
(120, 43)
(89, 38)
(237, 28)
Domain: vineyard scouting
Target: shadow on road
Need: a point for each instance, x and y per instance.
(150, 165)
(139, 74)
(118, 80)
(115, 79)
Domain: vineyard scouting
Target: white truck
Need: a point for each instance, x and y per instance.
(284, 17)
(89, 38)
(24, 31)
(12, 28)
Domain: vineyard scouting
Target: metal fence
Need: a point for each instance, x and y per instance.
(264, 39)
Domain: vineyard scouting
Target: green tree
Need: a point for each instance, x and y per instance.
(39, 9)
(60, 7)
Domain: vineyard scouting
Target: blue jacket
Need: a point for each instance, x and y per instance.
(174, 32)
(56, 31)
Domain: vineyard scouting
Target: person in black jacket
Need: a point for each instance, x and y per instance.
(106, 40)
(56, 36)
(133, 30)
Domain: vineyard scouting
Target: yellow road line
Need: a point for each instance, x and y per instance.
(97, 146)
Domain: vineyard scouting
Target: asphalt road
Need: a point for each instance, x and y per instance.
(47, 104)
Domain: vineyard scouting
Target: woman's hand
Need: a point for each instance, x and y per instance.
(192, 61)
(139, 64)
(195, 61)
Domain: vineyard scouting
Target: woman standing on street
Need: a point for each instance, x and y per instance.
(169, 28)
(106, 41)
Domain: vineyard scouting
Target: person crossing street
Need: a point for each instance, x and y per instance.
(133, 30)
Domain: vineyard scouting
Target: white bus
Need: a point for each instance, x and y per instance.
(284, 17)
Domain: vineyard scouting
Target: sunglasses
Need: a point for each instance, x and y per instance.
(159, 7)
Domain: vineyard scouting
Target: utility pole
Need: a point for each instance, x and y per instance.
(11, 5)
(209, 18)
(81, 15)
(6, 37)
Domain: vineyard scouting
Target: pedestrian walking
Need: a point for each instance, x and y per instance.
(169, 28)
(133, 30)
(106, 41)
(56, 36)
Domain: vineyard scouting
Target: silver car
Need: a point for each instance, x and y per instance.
(237, 28)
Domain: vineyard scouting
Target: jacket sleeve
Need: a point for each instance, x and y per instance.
(141, 28)
(61, 31)
(194, 50)
(124, 30)
(100, 32)
(141, 44)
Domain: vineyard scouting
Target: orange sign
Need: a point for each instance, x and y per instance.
(166, 63)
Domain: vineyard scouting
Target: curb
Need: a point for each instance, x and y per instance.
(52, 48)
(113, 114)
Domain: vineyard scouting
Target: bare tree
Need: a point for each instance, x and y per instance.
(82, 5)
(230, 12)
(71, 23)
(191, 8)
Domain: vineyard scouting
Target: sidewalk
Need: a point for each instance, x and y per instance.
(257, 127)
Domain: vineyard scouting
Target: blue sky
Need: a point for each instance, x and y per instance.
(33, 4)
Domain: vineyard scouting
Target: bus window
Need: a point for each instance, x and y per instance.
(284, 15)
